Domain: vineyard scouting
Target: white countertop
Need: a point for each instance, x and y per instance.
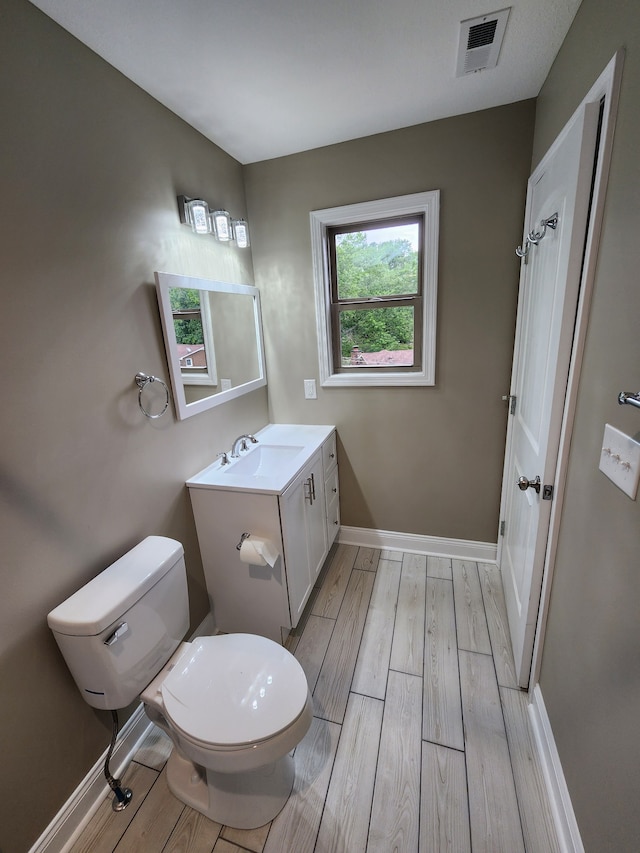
(305, 436)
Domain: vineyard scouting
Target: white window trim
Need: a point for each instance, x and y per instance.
(427, 203)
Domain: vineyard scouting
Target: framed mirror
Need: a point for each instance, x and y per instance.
(213, 337)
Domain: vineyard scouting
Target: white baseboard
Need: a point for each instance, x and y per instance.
(81, 806)
(435, 546)
(75, 814)
(563, 814)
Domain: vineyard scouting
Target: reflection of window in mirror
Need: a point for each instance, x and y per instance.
(194, 335)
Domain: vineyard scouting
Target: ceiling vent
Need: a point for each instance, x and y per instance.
(480, 42)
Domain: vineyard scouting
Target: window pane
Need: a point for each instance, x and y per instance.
(377, 337)
(377, 261)
(187, 322)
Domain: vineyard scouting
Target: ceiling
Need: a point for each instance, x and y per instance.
(266, 78)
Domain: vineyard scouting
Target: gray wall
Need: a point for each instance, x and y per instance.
(425, 460)
(90, 168)
(590, 677)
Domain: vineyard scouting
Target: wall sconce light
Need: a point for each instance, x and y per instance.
(196, 213)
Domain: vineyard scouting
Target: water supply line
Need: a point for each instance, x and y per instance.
(122, 796)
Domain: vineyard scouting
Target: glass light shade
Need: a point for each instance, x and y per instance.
(198, 214)
(241, 232)
(222, 225)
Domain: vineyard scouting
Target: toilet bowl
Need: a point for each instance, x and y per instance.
(234, 705)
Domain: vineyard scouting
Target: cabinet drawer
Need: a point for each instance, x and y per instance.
(329, 454)
(333, 519)
(332, 487)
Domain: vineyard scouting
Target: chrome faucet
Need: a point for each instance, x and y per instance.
(241, 444)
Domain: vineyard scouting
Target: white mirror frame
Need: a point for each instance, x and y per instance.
(164, 283)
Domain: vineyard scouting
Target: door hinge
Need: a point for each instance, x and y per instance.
(503, 524)
(511, 398)
(547, 493)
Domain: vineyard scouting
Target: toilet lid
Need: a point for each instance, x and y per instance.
(234, 689)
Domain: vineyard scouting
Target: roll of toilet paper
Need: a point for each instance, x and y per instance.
(258, 552)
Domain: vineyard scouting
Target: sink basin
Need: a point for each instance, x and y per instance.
(269, 466)
(265, 460)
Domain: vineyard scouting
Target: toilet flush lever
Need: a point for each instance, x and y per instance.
(113, 638)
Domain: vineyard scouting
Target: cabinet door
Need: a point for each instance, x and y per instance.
(294, 536)
(303, 533)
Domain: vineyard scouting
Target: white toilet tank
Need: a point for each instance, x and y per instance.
(119, 630)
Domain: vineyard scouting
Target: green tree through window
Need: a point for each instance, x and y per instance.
(186, 301)
(375, 287)
(368, 270)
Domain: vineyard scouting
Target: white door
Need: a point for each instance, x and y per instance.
(547, 302)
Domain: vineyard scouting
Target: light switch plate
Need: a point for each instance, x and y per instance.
(310, 389)
(620, 460)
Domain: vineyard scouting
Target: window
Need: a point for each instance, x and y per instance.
(375, 270)
(194, 335)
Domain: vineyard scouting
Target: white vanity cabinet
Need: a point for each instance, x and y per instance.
(297, 510)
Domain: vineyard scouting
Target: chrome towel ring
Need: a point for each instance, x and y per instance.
(142, 380)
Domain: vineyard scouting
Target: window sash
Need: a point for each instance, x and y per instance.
(403, 302)
(376, 225)
(365, 303)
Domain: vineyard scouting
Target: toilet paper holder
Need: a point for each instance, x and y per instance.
(242, 538)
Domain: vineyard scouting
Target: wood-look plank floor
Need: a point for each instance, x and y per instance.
(420, 741)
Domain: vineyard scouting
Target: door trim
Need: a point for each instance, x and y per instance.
(606, 87)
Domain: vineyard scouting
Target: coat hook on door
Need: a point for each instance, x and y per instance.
(534, 237)
(628, 397)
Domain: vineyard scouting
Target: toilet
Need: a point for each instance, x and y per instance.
(234, 705)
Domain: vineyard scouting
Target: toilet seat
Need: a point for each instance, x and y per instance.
(234, 690)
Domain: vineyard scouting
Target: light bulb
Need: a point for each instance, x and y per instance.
(222, 224)
(241, 231)
(198, 212)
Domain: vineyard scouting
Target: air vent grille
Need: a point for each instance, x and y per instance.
(480, 42)
(483, 34)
